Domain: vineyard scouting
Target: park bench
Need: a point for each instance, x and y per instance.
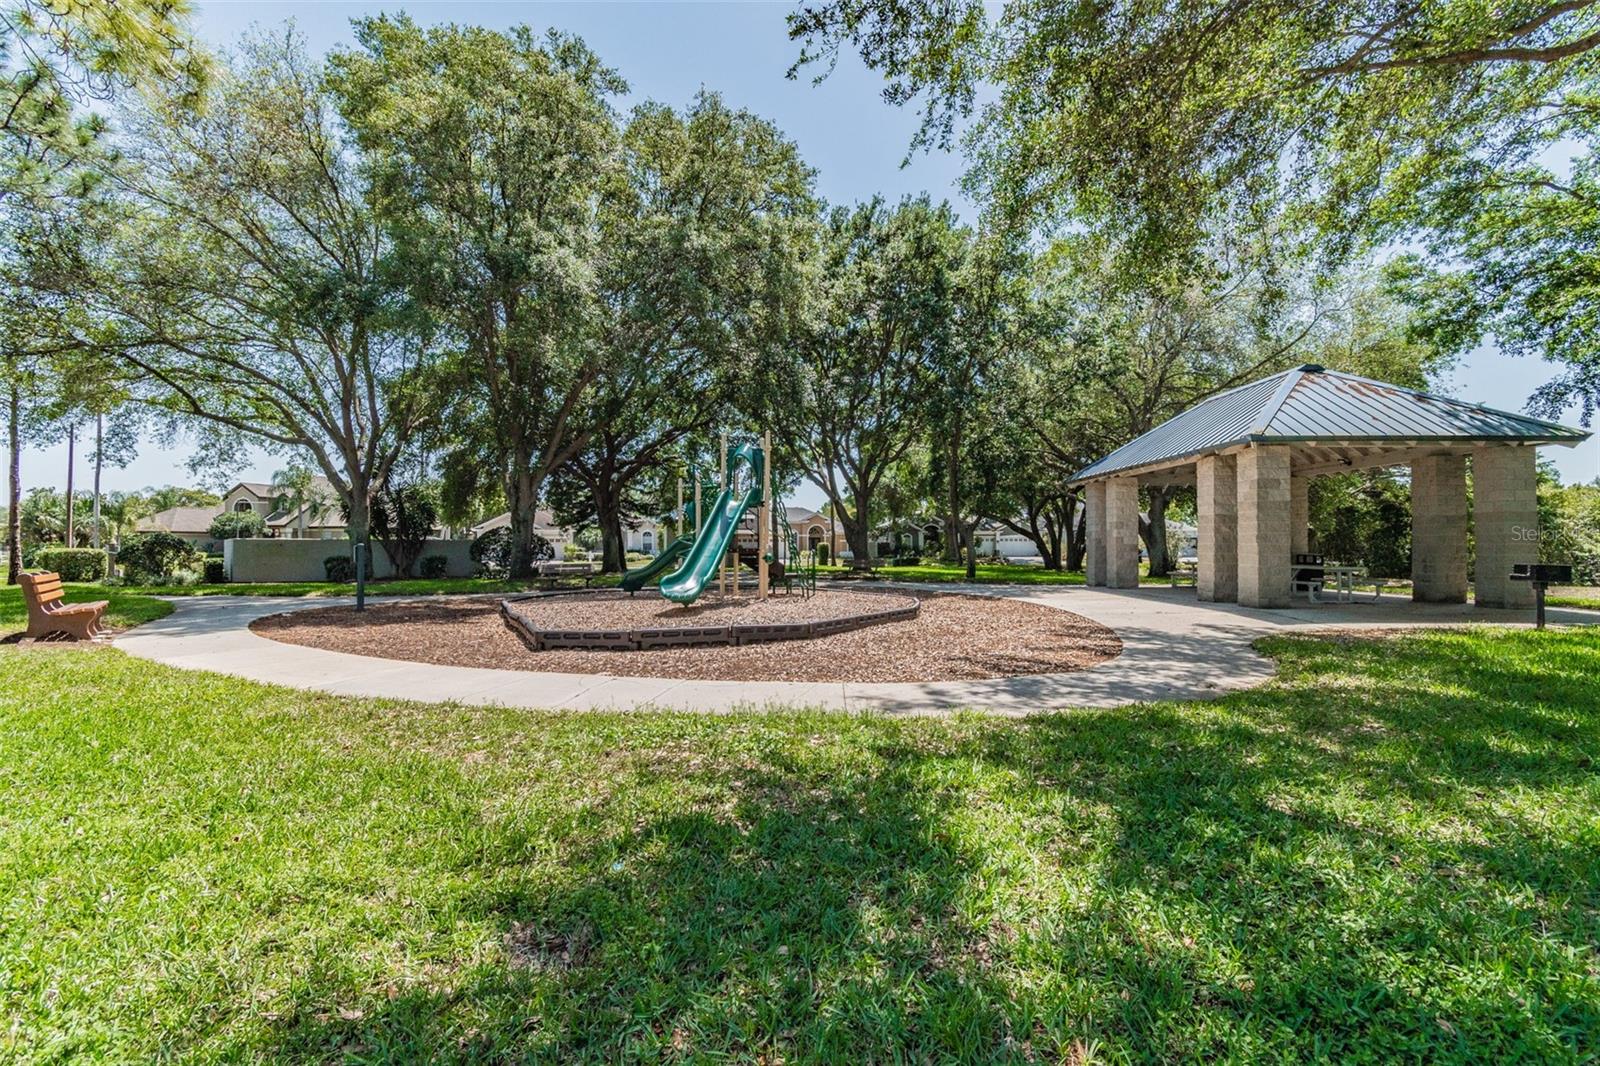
(552, 574)
(1184, 574)
(48, 613)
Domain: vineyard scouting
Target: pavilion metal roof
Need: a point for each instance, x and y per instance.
(1311, 404)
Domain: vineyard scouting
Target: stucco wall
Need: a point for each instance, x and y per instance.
(267, 559)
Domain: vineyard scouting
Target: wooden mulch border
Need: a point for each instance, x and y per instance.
(691, 636)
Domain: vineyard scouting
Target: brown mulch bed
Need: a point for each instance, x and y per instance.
(613, 610)
(954, 637)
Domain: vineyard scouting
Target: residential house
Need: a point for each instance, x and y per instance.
(544, 525)
(192, 524)
(320, 520)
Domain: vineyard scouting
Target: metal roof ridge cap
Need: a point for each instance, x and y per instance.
(1270, 410)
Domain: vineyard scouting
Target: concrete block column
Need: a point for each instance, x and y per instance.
(1122, 532)
(1299, 514)
(1217, 513)
(1505, 519)
(1439, 529)
(1264, 540)
(1094, 532)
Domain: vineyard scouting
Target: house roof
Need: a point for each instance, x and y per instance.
(542, 519)
(266, 490)
(328, 518)
(180, 520)
(1313, 404)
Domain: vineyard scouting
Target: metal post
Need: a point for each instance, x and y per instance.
(361, 576)
(1538, 605)
(763, 525)
(722, 487)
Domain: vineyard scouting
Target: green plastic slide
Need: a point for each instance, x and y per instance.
(634, 580)
(685, 584)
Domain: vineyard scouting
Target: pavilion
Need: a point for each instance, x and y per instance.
(1251, 451)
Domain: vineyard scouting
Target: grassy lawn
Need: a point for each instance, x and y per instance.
(126, 608)
(988, 574)
(1388, 854)
(1588, 602)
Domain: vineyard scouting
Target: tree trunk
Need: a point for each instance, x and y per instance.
(1154, 529)
(972, 555)
(358, 526)
(99, 462)
(522, 496)
(859, 537)
(1057, 522)
(67, 537)
(1076, 535)
(14, 488)
(952, 501)
(613, 544)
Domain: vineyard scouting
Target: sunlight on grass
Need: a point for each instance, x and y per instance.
(1387, 854)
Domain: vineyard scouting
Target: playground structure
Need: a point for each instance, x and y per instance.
(708, 548)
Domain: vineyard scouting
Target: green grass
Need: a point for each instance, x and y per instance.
(1591, 603)
(125, 608)
(398, 587)
(987, 574)
(1389, 854)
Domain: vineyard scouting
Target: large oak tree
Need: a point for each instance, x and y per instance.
(490, 152)
(853, 398)
(248, 285)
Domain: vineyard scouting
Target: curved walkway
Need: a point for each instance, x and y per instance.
(1173, 648)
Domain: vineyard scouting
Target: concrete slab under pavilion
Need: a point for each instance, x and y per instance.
(1251, 453)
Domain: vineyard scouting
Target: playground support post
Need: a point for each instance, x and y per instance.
(763, 522)
(722, 487)
(680, 530)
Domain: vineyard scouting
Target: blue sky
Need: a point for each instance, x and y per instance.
(668, 52)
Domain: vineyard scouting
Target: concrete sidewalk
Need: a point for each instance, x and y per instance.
(1173, 648)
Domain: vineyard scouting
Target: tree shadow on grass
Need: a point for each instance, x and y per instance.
(1299, 872)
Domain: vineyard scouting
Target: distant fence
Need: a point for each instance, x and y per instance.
(280, 559)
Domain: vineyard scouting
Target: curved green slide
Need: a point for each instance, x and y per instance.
(685, 584)
(634, 580)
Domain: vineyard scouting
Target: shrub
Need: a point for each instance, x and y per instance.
(339, 568)
(574, 553)
(216, 574)
(73, 564)
(155, 557)
(907, 560)
(434, 566)
(822, 555)
(231, 524)
(491, 552)
(402, 519)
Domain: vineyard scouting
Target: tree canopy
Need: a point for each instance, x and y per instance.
(1350, 123)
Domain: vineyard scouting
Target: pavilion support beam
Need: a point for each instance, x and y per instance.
(1439, 529)
(1217, 512)
(1299, 514)
(1505, 519)
(1264, 539)
(1122, 532)
(1094, 532)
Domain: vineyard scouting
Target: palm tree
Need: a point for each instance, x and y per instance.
(298, 491)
